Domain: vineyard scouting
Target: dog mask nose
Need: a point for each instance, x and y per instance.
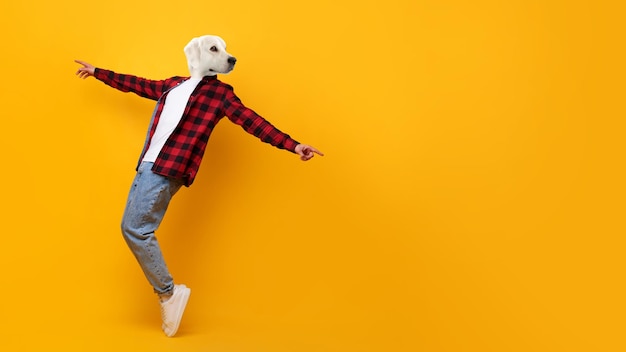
(232, 60)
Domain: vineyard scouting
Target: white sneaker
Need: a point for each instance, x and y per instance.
(172, 309)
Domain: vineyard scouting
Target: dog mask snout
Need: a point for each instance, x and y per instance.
(232, 60)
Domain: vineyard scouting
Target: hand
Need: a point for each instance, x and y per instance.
(86, 71)
(306, 152)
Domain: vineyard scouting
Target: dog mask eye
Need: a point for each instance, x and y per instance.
(213, 49)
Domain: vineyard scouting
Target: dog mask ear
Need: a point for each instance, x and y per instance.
(192, 51)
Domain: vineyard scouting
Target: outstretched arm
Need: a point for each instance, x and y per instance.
(254, 124)
(147, 88)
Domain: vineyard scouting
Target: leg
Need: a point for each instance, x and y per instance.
(147, 202)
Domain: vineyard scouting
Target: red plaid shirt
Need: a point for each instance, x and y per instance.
(211, 100)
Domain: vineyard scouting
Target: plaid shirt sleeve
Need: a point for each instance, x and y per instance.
(254, 124)
(146, 88)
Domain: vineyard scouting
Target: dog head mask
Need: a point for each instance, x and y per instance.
(207, 56)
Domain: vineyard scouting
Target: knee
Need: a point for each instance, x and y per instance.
(130, 229)
(125, 227)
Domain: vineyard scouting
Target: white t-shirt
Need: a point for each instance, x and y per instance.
(173, 110)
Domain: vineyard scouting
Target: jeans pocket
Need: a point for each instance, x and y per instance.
(145, 165)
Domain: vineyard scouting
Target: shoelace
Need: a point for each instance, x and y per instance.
(163, 317)
(162, 313)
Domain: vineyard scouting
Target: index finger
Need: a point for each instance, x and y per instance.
(316, 151)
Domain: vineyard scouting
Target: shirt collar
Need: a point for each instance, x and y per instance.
(209, 78)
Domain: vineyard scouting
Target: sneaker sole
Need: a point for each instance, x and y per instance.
(181, 308)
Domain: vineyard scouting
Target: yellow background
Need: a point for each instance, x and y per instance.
(471, 197)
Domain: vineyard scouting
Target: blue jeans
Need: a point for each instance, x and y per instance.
(147, 202)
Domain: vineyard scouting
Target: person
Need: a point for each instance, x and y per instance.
(187, 110)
